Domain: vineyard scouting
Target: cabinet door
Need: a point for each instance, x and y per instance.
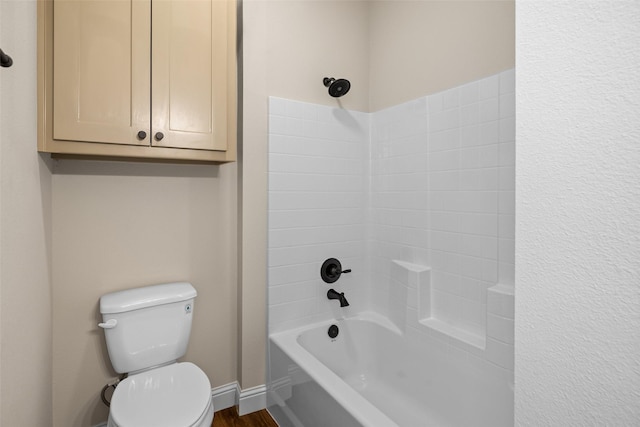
(101, 71)
(189, 74)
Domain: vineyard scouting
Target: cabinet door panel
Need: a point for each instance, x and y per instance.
(189, 68)
(101, 77)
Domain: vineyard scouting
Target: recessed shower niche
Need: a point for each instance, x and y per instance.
(410, 306)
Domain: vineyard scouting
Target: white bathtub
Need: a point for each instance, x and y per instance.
(372, 375)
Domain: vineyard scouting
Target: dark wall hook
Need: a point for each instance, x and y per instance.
(5, 60)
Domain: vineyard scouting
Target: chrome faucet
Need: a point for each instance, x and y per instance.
(333, 294)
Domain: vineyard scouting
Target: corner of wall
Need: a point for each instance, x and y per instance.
(25, 230)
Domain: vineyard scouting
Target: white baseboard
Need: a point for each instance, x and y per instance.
(225, 396)
(249, 400)
(252, 399)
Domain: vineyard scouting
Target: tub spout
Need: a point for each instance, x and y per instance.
(333, 294)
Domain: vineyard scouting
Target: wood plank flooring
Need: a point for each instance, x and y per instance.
(229, 418)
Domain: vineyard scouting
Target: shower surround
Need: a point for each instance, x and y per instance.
(418, 200)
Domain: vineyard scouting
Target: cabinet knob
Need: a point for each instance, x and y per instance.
(159, 136)
(142, 135)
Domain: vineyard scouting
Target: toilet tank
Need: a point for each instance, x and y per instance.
(148, 326)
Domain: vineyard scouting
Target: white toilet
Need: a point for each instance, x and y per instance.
(147, 329)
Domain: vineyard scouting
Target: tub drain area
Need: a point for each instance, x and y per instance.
(333, 331)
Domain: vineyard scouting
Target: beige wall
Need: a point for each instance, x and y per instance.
(25, 235)
(121, 225)
(422, 47)
(289, 46)
(307, 40)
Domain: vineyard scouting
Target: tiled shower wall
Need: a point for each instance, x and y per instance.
(429, 182)
(318, 173)
(443, 195)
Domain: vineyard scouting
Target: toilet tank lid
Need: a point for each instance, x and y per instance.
(147, 296)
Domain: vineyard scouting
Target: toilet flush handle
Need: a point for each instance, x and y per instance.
(111, 323)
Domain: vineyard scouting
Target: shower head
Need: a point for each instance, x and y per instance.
(337, 88)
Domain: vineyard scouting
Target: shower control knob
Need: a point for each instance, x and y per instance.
(142, 135)
(331, 270)
(335, 270)
(159, 136)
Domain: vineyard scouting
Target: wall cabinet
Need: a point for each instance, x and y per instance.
(138, 78)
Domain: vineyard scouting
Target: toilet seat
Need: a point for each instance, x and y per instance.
(177, 395)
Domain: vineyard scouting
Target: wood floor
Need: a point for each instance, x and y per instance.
(229, 418)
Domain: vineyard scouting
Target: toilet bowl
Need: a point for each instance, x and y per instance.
(177, 395)
(147, 330)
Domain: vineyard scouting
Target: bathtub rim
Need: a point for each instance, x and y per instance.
(361, 409)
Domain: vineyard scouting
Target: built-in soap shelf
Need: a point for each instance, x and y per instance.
(460, 334)
(497, 339)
